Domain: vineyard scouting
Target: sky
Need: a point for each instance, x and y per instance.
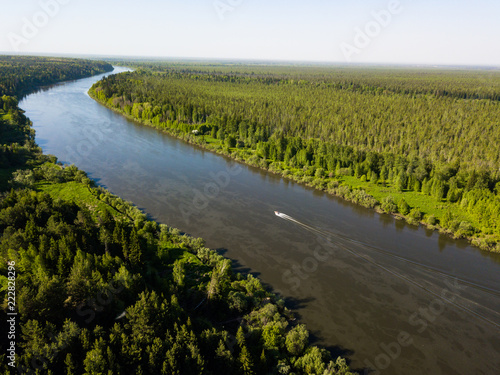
(437, 32)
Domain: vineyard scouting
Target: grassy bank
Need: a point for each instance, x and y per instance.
(414, 207)
(76, 241)
(99, 288)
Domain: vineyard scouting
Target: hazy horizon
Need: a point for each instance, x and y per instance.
(250, 61)
(369, 32)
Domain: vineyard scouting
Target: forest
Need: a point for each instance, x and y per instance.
(421, 144)
(100, 289)
(20, 75)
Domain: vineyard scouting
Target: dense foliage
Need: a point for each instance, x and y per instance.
(110, 292)
(99, 289)
(18, 76)
(254, 108)
(431, 132)
(22, 74)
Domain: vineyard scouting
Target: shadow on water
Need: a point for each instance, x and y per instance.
(237, 266)
(42, 142)
(148, 215)
(98, 183)
(222, 251)
(295, 304)
(292, 303)
(336, 351)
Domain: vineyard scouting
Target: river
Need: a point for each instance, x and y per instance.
(384, 294)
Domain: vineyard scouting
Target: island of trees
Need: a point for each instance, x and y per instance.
(421, 144)
(100, 289)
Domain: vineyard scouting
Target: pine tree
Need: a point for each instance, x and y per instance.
(246, 364)
(69, 364)
(135, 252)
(400, 182)
(403, 207)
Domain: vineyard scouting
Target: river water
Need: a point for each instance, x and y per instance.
(386, 295)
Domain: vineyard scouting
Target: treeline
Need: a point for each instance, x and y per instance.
(18, 76)
(103, 292)
(440, 146)
(22, 74)
(100, 289)
(451, 82)
(438, 129)
(17, 137)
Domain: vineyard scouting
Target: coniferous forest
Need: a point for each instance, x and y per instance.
(100, 289)
(421, 144)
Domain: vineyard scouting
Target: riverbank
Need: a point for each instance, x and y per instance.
(414, 207)
(96, 263)
(165, 176)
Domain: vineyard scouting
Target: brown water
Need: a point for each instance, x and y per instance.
(393, 297)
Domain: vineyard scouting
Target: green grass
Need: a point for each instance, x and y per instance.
(427, 204)
(76, 192)
(173, 252)
(209, 139)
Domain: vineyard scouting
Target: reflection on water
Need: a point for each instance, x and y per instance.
(350, 303)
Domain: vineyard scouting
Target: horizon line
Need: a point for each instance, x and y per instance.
(251, 60)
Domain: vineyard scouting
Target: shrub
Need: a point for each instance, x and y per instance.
(320, 172)
(415, 214)
(453, 225)
(308, 171)
(319, 183)
(403, 207)
(431, 220)
(23, 178)
(296, 340)
(465, 229)
(447, 218)
(237, 301)
(388, 205)
(333, 185)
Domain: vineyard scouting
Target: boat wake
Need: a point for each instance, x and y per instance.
(348, 244)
